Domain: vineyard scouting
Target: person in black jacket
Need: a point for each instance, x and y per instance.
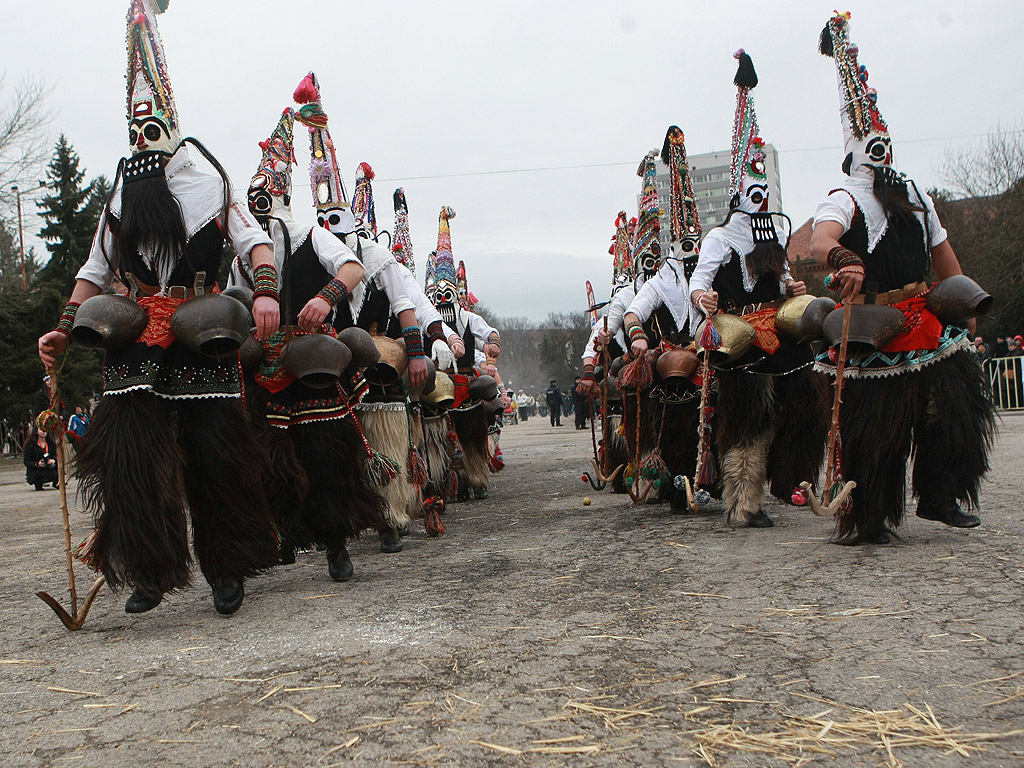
(579, 397)
(40, 459)
(553, 396)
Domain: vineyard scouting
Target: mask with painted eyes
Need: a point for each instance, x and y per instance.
(150, 134)
(340, 221)
(446, 297)
(650, 262)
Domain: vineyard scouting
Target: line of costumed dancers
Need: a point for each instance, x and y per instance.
(321, 394)
(719, 375)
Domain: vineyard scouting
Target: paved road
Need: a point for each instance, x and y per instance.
(540, 631)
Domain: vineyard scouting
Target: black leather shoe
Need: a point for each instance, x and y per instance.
(951, 515)
(140, 602)
(228, 595)
(761, 520)
(339, 565)
(287, 554)
(389, 541)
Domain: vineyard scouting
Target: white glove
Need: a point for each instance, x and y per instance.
(442, 355)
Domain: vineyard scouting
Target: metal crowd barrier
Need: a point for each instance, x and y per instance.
(1006, 376)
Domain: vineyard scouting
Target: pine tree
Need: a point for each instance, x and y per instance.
(71, 212)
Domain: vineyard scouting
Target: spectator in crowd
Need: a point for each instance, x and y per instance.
(40, 459)
(1000, 348)
(981, 352)
(41, 399)
(523, 403)
(79, 422)
(579, 398)
(553, 397)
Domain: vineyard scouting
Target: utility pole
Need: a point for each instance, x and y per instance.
(21, 230)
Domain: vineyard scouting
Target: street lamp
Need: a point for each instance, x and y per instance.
(21, 230)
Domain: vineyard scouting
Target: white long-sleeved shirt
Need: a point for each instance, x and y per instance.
(383, 270)
(201, 197)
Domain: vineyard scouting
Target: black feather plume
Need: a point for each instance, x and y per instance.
(825, 42)
(666, 148)
(746, 77)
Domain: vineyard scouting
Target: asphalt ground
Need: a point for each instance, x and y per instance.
(540, 631)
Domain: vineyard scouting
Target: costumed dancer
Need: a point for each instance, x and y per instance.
(467, 414)
(641, 415)
(770, 418)
(379, 303)
(610, 335)
(169, 433)
(916, 392)
(318, 479)
(658, 318)
(430, 413)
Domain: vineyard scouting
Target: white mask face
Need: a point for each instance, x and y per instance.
(147, 134)
(337, 220)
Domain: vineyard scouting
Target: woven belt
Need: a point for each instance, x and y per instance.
(746, 309)
(909, 291)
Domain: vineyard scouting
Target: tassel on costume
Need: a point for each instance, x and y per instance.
(383, 469)
(710, 338)
(416, 470)
(655, 470)
(432, 518)
(638, 374)
(85, 552)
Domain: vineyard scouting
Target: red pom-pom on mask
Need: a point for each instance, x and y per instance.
(307, 91)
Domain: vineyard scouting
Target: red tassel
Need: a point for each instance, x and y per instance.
(432, 508)
(86, 551)
(367, 171)
(416, 471)
(638, 374)
(307, 91)
(710, 338)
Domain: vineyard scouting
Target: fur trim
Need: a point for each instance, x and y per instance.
(387, 431)
(342, 499)
(743, 474)
(438, 455)
(803, 409)
(953, 438)
(471, 429)
(136, 495)
(232, 525)
(876, 422)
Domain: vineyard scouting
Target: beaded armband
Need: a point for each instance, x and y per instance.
(334, 292)
(435, 332)
(265, 281)
(588, 372)
(840, 257)
(637, 332)
(495, 340)
(67, 320)
(413, 341)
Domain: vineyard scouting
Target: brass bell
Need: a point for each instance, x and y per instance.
(677, 363)
(391, 365)
(872, 326)
(737, 338)
(212, 324)
(809, 325)
(957, 299)
(108, 321)
(316, 358)
(443, 393)
(787, 318)
(364, 351)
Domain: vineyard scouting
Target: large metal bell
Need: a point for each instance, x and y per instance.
(417, 393)
(810, 325)
(391, 365)
(213, 324)
(108, 321)
(364, 351)
(737, 338)
(957, 299)
(872, 326)
(316, 358)
(483, 388)
(677, 363)
(443, 393)
(787, 318)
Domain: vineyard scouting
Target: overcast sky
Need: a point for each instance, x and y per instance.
(528, 118)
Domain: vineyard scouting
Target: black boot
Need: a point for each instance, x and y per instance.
(339, 564)
(389, 541)
(480, 493)
(287, 554)
(761, 520)
(949, 513)
(228, 595)
(140, 602)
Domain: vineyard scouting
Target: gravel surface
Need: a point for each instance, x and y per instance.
(540, 631)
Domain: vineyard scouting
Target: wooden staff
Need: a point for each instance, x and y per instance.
(74, 620)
